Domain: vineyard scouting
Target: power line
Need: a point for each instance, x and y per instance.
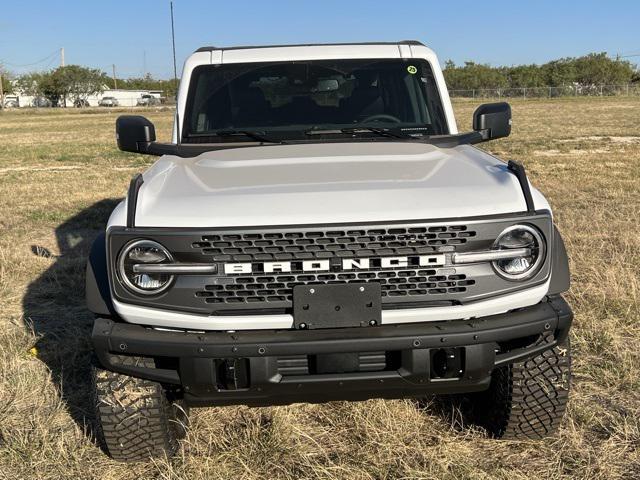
(53, 59)
(48, 57)
(627, 54)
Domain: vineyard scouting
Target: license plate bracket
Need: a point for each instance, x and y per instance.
(337, 305)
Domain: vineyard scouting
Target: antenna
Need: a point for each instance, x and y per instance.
(175, 75)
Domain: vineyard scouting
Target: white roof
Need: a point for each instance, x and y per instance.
(409, 49)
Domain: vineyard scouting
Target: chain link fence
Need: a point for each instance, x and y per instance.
(631, 89)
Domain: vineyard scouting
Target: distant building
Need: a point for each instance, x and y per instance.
(125, 98)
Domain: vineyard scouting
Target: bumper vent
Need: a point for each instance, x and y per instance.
(297, 365)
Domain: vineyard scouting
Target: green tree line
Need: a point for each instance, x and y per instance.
(592, 69)
(71, 82)
(167, 87)
(76, 83)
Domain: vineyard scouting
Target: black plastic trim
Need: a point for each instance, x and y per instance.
(520, 173)
(97, 291)
(196, 354)
(190, 150)
(560, 273)
(132, 199)
(478, 218)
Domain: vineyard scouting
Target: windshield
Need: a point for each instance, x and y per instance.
(291, 99)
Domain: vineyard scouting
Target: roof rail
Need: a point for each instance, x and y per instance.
(242, 47)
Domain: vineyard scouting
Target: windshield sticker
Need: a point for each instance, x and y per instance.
(412, 70)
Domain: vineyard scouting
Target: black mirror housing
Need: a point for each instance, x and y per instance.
(134, 133)
(493, 120)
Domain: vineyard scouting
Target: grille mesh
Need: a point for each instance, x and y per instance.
(279, 288)
(319, 244)
(261, 288)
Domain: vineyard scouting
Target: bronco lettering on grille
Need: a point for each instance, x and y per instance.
(346, 264)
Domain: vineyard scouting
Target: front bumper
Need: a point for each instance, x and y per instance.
(268, 367)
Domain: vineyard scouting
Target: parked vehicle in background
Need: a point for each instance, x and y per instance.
(81, 103)
(108, 102)
(41, 102)
(319, 230)
(148, 101)
(11, 102)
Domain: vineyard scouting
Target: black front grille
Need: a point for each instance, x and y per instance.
(325, 244)
(279, 288)
(421, 279)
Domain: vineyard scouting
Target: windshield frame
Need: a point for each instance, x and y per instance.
(297, 132)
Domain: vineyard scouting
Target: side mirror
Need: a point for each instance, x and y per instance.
(134, 133)
(492, 120)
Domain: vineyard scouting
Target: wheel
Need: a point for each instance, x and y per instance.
(136, 419)
(525, 400)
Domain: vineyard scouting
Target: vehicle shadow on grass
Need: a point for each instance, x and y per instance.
(54, 308)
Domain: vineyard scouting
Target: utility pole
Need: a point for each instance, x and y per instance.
(115, 82)
(1, 93)
(62, 57)
(144, 63)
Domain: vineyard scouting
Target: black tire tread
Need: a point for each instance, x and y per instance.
(526, 400)
(135, 419)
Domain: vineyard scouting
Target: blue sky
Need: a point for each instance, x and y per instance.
(123, 33)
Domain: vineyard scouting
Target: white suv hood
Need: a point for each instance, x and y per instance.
(325, 183)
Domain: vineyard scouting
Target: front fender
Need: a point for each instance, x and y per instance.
(97, 290)
(560, 275)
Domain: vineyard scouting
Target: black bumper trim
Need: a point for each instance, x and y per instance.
(195, 353)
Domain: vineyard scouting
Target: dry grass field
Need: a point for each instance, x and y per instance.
(60, 175)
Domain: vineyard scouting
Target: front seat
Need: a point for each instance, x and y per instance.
(252, 108)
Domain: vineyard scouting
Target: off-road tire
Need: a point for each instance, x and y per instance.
(136, 419)
(526, 400)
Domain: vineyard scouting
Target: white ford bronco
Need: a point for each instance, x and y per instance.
(319, 230)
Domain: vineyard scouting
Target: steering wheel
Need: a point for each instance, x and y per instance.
(381, 116)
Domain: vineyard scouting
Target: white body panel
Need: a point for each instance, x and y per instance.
(186, 321)
(324, 184)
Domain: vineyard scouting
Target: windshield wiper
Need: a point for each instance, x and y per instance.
(383, 132)
(258, 136)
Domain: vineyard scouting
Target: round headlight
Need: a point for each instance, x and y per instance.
(144, 252)
(521, 267)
